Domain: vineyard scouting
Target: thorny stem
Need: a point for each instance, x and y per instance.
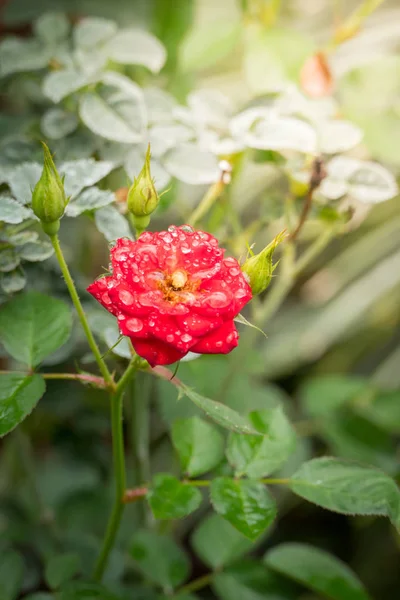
(83, 377)
(119, 470)
(81, 313)
(134, 494)
(318, 173)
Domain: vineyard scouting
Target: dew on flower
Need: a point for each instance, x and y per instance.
(186, 338)
(126, 297)
(170, 338)
(218, 300)
(187, 228)
(134, 325)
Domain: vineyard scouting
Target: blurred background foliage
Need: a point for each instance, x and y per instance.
(333, 348)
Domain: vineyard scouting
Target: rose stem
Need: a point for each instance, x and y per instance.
(119, 469)
(81, 313)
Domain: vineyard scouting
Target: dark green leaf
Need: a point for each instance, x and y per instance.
(171, 499)
(33, 326)
(61, 569)
(246, 504)
(218, 543)
(383, 408)
(18, 397)
(251, 580)
(221, 414)
(40, 596)
(160, 559)
(85, 591)
(11, 574)
(347, 488)
(317, 570)
(257, 456)
(199, 444)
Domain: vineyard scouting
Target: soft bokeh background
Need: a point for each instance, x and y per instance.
(333, 347)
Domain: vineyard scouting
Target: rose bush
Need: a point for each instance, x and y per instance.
(174, 292)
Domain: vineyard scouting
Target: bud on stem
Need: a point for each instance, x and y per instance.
(48, 198)
(259, 267)
(142, 197)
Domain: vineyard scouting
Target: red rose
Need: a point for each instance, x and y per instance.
(173, 291)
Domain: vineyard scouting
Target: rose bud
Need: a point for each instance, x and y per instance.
(259, 267)
(142, 197)
(174, 292)
(48, 198)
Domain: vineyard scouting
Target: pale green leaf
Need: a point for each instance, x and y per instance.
(19, 395)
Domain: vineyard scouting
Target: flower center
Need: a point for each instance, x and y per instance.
(179, 279)
(175, 286)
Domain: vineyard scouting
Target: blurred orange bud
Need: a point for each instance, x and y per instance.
(315, 77)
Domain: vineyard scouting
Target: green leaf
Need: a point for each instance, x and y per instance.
(61, 569)
(353, 437)
(9, 260)
(246, 504)
(12, 282)
(32, 326)
(160, 559)
(23, 179)
(87, 591)
(11, 575)
(171, 499)
(18, 55)
(90, 199)
(57, 85)
(218, 543)
(317, 570)
(57, 123)
(324, 395)
(200, 445)
(116, 111)
(111, 223)
(84, 173)
(12, 211)
(52, 27)
(347, 488)
(383, 408)
(251, 580)
(205, 45)
(136, 47)
(221, 414)
(18, 397)
(257, 456)
(191, 164)
(36, 251)
(93, 31)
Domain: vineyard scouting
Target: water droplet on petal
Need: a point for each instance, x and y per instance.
(106, 298)
(186, 338)
(234, 271)
(218, 344)
(218, 300)
(187, 228)
(171, 228)
(134, 325)
(170, 338)
(126, 297)
(240, 293)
